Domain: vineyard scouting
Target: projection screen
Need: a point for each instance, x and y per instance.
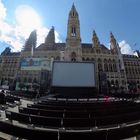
(69, 74)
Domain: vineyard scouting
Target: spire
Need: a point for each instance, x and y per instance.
(115, 47)
(113, 42)
(50, 39)
(73, 6)
(73, 13)
(95, 40)
(73, 29)
(31, 41)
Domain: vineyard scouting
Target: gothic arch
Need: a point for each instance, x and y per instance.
(83, 59)
(100, 64)
(57, 58)
(87, 59)
(73, 56)
(105, 65)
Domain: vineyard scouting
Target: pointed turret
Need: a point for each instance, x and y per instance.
(113, 42)
(95, 40)
(50, 39)
(73, 13)
(31, 41)
(73, 29)
(115, 47)
(73, 50)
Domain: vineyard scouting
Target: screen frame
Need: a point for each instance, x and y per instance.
(73, 89)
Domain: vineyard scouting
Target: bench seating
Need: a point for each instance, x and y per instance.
(27, 132)
(34, 119)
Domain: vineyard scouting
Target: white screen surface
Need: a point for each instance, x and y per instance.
(68, 74)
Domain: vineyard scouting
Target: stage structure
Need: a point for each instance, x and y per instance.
(73, 78)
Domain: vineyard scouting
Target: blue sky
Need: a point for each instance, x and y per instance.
(119, 16)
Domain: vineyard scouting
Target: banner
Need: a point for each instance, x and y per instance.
(36, 64)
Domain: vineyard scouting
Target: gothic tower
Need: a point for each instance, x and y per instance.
(113, 43)
(31, 41)
(114, 46)
(50, 39)
(95, 40)
(73, 51)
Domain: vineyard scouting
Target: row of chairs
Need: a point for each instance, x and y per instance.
(77, 114)
(12, 99)
(32, 133)
(8, 99)
(91, 105)
(84, 108)
(24, 94)
(73, 102)
(61, 121)
(72, 123)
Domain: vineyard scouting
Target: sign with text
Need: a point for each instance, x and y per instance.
(36, 64)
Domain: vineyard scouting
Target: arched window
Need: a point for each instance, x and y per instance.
(108, 83)
(116, 83)
(114, 66)
(105, 67)
(57, 58)
(110, 68)
(73, 13)
(73, 56)
(87, 59)
(99, 64)
(73, 31)
(83, 58)
(112, 82)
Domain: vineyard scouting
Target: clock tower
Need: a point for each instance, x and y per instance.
(73, 50)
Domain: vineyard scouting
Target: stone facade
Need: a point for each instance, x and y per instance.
(9, 66)
(132, 68)
(112, 67)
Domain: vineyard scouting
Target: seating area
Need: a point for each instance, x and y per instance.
(8, 98)
(66, 119)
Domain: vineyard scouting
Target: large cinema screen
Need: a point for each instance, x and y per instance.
(70, 74)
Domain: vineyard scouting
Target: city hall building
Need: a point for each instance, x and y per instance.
(113, 70)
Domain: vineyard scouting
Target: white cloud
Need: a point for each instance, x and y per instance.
(125, 47)
(15, 35)
(27, 17)
(41, 34)
(2, 11)
(57, 37)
